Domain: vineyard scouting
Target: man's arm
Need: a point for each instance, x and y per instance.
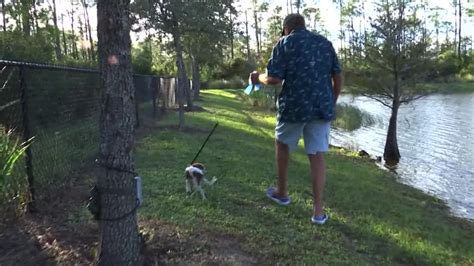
(269, 80)
(337, 79)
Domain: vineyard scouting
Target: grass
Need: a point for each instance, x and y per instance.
(374, 219)
(449, 87)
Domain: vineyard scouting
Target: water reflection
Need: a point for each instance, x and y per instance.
(436, 142)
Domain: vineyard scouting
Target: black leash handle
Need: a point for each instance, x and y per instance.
(204, 144)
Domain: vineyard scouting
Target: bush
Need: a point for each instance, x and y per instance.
(239, 67)
(351, 118)
(232, 83)
(264, 98)
(36, 48)
(13, 183)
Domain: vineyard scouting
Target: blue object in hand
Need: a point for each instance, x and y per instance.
(252, 87)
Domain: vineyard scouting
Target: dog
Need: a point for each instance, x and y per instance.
(195, 179)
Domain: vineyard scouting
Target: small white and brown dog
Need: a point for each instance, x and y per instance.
(195, 178)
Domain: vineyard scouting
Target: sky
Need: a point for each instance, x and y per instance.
(329, 14)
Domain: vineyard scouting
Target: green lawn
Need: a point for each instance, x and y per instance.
(449, 87)
(374, 219)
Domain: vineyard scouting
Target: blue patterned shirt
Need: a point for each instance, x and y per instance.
(305, 62)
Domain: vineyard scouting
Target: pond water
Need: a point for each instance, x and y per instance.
(436, 142)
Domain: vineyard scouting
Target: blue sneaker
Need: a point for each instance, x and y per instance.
(280, 200)
(319, 219)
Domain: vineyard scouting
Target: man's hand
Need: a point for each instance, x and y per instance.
(254, 78)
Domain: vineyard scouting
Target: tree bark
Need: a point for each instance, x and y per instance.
(119, 239)
(26, 17)
(3, 16)
(196, 77)
(182, 79)
(459, 34)
(35, 16)
(64, 35)
(391, 153)
(231, 36)
(75, 53)
(89, 30)
(455, 26)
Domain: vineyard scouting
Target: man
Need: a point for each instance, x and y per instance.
(307, 66)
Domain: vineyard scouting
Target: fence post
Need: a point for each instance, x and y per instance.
(27, 137)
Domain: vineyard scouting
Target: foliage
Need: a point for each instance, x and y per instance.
(142, 58)
(238, 67)
(13, 183)
(373, 218)
(396, 56)
(233, 83)
(350, 118)
(16, 46)
(263, 99)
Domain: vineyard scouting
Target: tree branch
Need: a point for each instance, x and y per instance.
(373, 97)
(407, 99)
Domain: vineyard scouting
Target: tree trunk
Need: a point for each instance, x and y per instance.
(255, 16)
(196, 77)
(75, 53)
(231, 37)
(89, 31)
(64, 35)
(391, 153)
(119, 239)
(83, 52)
(459, 35)
(3, 16)
(35, 16)
(247, 36)
(57, 45)
(455, 26)
(182, 79)
(25, 17)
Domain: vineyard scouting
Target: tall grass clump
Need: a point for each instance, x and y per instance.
(13, 183)
(350, 118)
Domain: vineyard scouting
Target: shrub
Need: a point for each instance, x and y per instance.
(13, 184)
(351, 118)
(232, 83)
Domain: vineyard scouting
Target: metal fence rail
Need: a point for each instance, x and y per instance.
(59, 107)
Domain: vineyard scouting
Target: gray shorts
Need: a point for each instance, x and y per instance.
(315, 134)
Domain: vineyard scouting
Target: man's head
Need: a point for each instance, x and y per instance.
(292, 22)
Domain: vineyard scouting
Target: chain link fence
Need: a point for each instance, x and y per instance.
(59, 107)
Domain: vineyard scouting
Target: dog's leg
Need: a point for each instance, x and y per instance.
(188, 186)
(195, 185)
(203, 195)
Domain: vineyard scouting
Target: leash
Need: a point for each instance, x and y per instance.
(204, 144)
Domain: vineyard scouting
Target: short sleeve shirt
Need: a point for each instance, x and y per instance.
(305, 62)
